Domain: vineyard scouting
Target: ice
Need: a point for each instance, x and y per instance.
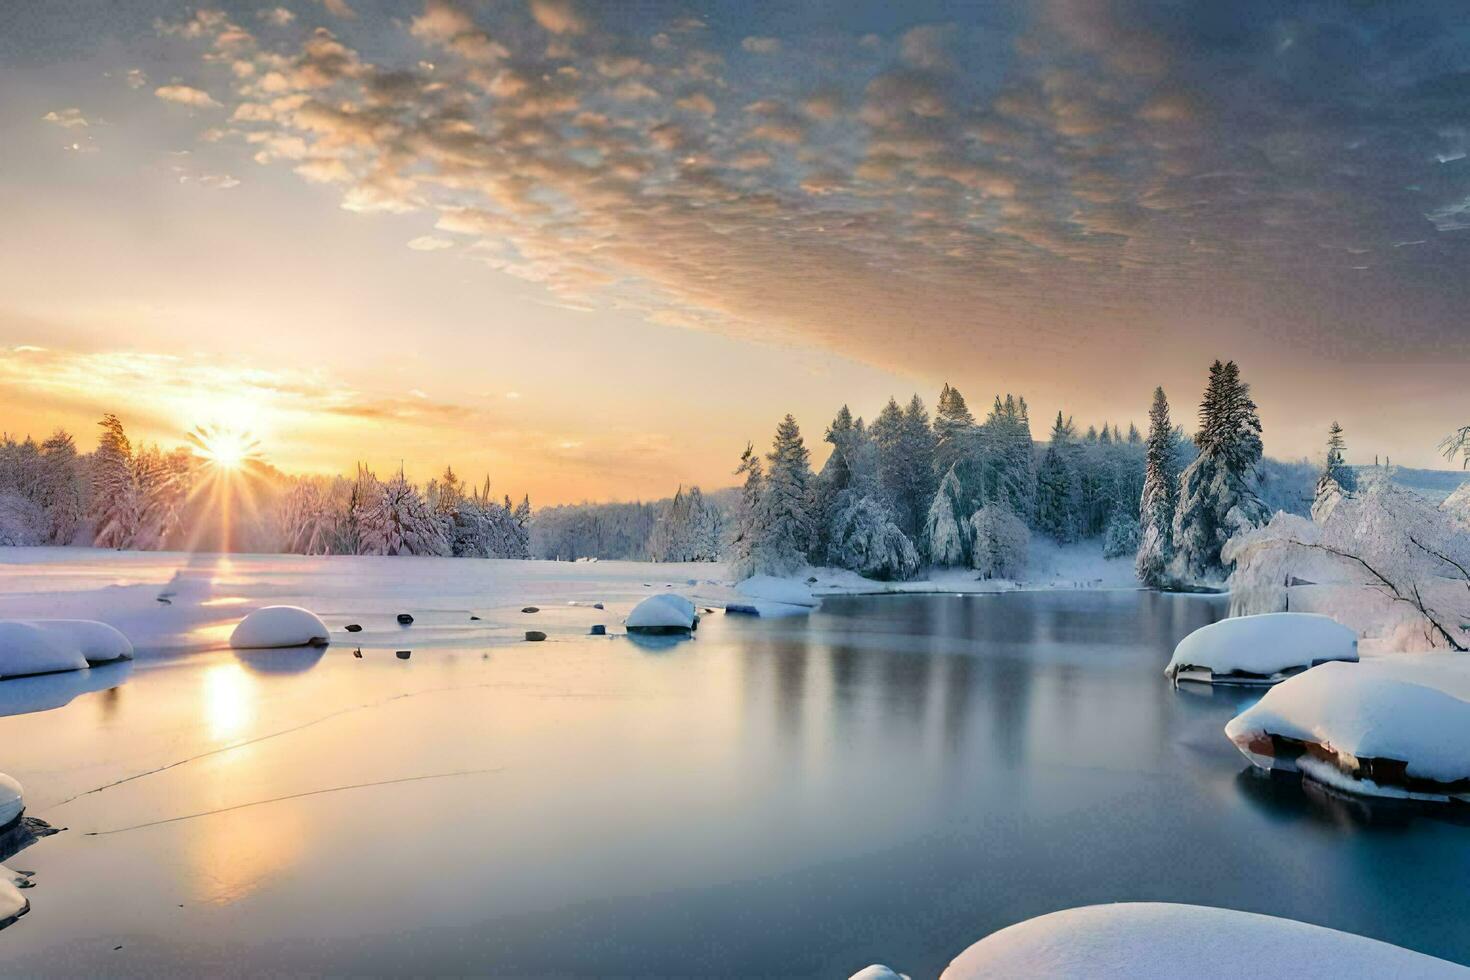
(667, 612)
(27, 649)
(279, 626)
(12, 801)
(1387, 729)
(1260, 649)
(1155, 939)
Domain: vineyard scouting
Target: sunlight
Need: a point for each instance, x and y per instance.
(224, 448)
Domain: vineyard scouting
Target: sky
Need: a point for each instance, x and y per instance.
(592, 249)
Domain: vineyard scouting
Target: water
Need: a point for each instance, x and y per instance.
(888, 780)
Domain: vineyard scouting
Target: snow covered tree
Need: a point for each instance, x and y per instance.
(688, 529)
(946, 533)
(1217, 496)
(955, 434)
(1006, 457)
(114, 491)
(1156, 506)
(784, 522)
(1058, 496)
(59, 488)
(399, 522)
(1121, 536)
(866, 540)
(310, 523)
(746, 556)
(1337, 478)
(163, 481)
(1002, 542)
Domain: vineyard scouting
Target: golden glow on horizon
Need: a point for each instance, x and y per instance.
(225, 448)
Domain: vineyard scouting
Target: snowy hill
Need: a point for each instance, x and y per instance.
(1434, 484)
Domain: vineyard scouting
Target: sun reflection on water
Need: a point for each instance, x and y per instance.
(229, 699)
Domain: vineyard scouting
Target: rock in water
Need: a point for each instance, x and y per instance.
(404, 619)
(598, 630)
(404, 654)
(535, 636)
(474, 619)
(353, 628)
(530, 609)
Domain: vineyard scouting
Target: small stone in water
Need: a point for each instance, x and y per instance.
(474, 619)
(599, 630)
(404, 654)
(535, 636)
(353, 628)
(404, 619)
(357, 653)
(530, 609)
(597, 605)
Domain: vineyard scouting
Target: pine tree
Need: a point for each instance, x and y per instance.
(865, 540)
(399, 522)
(1156, 505)
(954, 436)
(1002, 542)
(114, 494)
(1058, 501)
(59, 489)
(946, 539)
(785, 525)
(1337, 479)
(1217, 497)
(745, 549)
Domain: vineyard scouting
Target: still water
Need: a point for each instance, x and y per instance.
(887, 780)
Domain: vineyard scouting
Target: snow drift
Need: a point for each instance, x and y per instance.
(1361, 729)
(1155, 939)
(26, 649)
(12, 801)
(666, 613)
(13, 904)
(279, 626)
(769, 588)
(97, 642)
(1260, 649)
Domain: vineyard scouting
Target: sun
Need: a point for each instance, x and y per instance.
(225, 449)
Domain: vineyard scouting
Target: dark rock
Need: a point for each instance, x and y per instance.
(535, 636)
(357, 654)
(353, 628)
(599, 630)
(404, 619)
(404, 654)
(530, 609)
(474, 619)
(597, 605)
(741, 609)
(811, 580)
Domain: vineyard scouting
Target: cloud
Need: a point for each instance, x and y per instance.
(761, 45)
(339, 8)
(429, 243)
(66, 118)
(186, 95)
(558, 16)
(276, 16)
(136, 78)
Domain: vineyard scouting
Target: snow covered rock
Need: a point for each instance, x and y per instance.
(13, 904)
(12, 801)
(1156, 939)
(279, 626)
(1356, 728)
(1260, 649)
(97, 642)
(27, 649)
(778, 595)
(667, 613)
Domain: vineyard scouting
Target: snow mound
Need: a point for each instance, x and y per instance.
(1156, 939)
(1380, 734)
(12, 802)
(27, 649)
(661, 614)
(1260, 649)
(878, 972)
(768, 588)
(13, 904)
(97, 642)
(279, 626)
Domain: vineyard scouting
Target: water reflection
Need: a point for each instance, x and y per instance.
(1289, 798)
(281, 660)
(22, 695)
(229, 699)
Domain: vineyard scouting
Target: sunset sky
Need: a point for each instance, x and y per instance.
(592, 249)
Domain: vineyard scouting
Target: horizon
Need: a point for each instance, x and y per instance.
(593, 251)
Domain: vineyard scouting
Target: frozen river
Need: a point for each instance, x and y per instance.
(887, 780)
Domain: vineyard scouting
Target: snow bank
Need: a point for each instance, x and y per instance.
(97, 642)
(12, 802)
(768, 588)
(1382, 735)
(1155, 939)
(878, 972)
(1260, 649)
(661, 614)
(279, 626)
(27, 649)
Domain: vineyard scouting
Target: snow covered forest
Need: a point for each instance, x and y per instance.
(905, 491)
